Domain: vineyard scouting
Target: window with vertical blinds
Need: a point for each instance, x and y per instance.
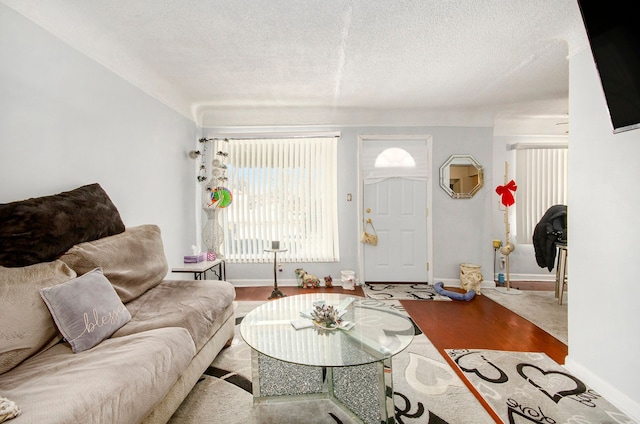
(541, 176)
(283, 189)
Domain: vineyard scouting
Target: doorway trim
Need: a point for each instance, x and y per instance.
(362, 138)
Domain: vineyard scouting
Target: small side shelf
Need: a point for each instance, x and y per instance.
(199, 270)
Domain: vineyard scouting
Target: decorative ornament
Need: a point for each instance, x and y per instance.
(328, 281)
(222, 196)
(506, 192)
(325, 316)
(507, 249)
(202, 173)
(507, 199)
(218, 198)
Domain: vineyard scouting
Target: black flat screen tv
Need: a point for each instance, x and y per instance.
(614, 36)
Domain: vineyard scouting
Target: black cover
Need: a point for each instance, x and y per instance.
(614, 37)
(551, 229)
(43, 228)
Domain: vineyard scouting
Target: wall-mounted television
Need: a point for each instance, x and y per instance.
(614, 36)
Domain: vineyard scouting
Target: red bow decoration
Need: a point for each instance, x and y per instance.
(505, 192)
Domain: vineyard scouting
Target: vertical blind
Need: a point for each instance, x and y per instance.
(283, 190)
(541, 175)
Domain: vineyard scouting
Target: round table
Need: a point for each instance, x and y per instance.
(312, 361)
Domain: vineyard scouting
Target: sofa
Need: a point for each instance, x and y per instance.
(91, 330)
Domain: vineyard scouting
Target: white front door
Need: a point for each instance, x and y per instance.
(397, 209)
(395, 200)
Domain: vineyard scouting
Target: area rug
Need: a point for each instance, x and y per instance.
(387, 291)
(426, 389)
(526, 387)
(538, 307)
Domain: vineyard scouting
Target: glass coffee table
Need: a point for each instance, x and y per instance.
(351, 367)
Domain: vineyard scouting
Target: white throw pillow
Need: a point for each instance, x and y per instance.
(86, 310)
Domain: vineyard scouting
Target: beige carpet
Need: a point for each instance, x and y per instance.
(539, 307)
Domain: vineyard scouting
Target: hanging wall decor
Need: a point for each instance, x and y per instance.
(222, 195)
(218, 197)
(202, 172)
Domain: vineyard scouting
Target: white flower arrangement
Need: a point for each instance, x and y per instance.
(325, 315)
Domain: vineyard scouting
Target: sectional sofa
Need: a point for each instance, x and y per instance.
(91, 330)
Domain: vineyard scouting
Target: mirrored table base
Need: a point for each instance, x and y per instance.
(365, 392)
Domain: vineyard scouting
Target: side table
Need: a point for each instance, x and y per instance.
(276, 291)
(200, 269)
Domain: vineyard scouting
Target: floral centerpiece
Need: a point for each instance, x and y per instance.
(325, 316)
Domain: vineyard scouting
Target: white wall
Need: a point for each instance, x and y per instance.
(461, 228)
(66, 121)
(604, 314)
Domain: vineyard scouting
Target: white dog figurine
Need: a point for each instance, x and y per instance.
(307, 280)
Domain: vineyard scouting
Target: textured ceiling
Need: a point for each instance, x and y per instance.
(294, 62)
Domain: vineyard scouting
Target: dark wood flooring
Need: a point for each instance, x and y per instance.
(263, 292)
(478, 324)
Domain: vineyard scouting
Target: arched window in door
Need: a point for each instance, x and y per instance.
(379, 162)
(394, 157)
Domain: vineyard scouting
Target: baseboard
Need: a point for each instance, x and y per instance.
(448, 282)
(610, 393)
(531, 277)
(282, 282)
(292, 282)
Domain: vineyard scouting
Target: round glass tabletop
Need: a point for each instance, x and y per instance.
(377, 333)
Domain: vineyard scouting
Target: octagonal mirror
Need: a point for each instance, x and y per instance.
(461, 176)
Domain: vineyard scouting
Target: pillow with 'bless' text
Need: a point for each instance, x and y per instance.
(86, 310)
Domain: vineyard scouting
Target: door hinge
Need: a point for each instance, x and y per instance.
(427, 266)
(426, 212)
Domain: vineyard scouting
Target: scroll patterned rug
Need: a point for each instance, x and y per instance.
(530, 387)
(417, 291)
(426, 389)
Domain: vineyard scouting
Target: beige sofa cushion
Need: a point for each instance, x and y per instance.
(133, 261)
(121, 380)
(26, 326)
(199, 306)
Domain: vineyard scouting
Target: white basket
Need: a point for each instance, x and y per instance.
(348, 278)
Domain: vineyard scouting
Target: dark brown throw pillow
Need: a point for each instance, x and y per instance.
(43, 228)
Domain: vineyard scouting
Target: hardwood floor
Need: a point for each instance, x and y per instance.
(263, 292)
(478, 324)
